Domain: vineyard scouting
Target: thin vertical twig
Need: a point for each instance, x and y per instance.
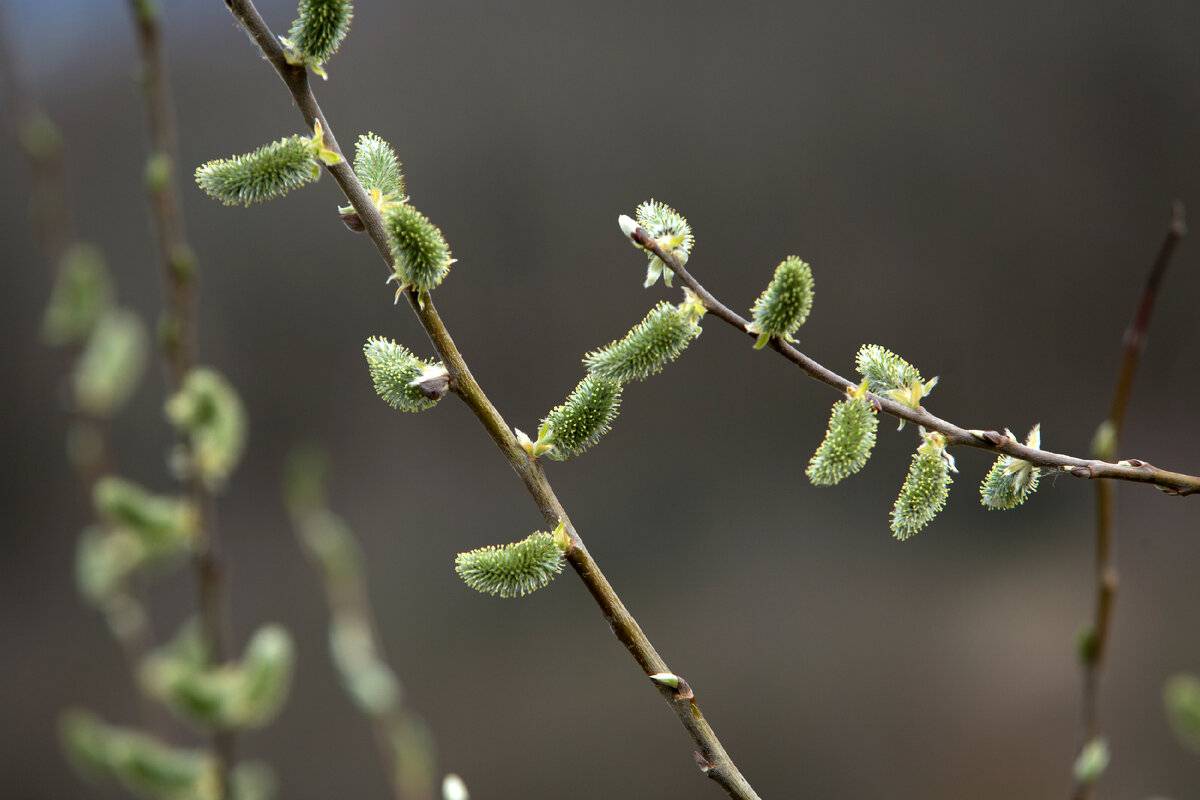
(178, 265)
(54, 228)
(1094, 647)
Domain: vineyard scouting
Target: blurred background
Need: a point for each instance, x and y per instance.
(979, 187)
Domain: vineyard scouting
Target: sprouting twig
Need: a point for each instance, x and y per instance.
(178, 340)
(1094, 646)
(1134, 470)
(718, 765)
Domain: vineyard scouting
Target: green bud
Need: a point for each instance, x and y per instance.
(209, 413)
(158, 172)
(586, 415)
(83, 292)
(925, 490)
(404, 381)
(512, 570)
(1010, 481)
(656, 340)
(1181, 698)
(785, 304)
(421, 255)
(1104, 441)
(673, 234)
(271, 171)
(454, 788)
(1092, 761)
(848, 440)
(318, 31)
(184, 262)
(111, 364)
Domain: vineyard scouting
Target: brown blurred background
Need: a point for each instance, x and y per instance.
(980, 187)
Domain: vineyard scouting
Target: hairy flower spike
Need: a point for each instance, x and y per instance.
(317, 32)
(422, 257)
(785, 304)
(271, 171)
(378, 170)
(1011, 480)
(925, 489)
(654, 341)
(671, 231)
(579, 422)
(208, 411)
(512, 570)
(404, 381)
(891, 376)
(848, 440)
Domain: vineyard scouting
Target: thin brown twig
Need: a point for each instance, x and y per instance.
(178, 341)
(712, 758)
(53, 222)
(1094, 651)
(1134, 470)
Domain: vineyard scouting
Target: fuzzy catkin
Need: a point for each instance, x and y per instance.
(584, 417)
(656, 340)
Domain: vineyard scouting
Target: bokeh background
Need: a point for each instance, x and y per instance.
(980, 187)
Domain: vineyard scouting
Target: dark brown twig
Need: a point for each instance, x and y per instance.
(720, 767)
(1133, 470)
(178, 340)
(1094, 647)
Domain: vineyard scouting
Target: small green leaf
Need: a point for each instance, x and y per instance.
(1092, 761)
(586, 415)
(162, 524)
(512, 570)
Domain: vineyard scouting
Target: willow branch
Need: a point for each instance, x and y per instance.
(1134, 470)
(711, 755)
(178, 340)
(1095, 646)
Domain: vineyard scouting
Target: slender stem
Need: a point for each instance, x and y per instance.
(713, 759)
(53, 217)
(178, 340)
(1094, 652)
(1134, 470)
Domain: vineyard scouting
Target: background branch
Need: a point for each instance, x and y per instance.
(1094, 647)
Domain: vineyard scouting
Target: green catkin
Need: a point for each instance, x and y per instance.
(924, 492)
(512, 570)
(672, 232)
(884, 370)
(586, 415)
(111, 364)
(83, 291)
(159, 522)
(847, 444)
(209, 412)
(1010, 481)
(319, 30)
(377, 167)
(785, 304)
(142, 763)
(656, 340)
(396, 373)
(270, 171)
(422, 257)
